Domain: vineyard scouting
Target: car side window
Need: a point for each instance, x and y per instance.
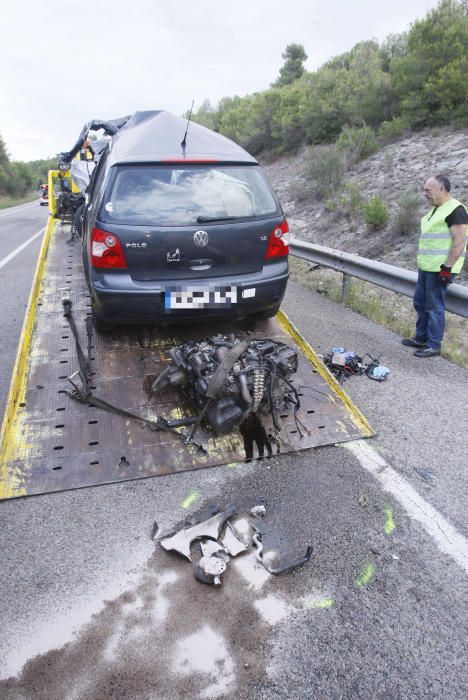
(96, 182)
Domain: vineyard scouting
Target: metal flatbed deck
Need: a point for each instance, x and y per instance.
(51, 443)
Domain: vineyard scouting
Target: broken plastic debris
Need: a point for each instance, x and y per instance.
(379, 373)
(238, 536)
(181, 541)
(279, 569)
(258, 511)
(242, 530)
(156, 531)
(210, 547)
(231, 544)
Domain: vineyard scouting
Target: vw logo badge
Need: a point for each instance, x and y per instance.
(200, 238)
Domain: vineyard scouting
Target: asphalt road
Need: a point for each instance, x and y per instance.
(17, 226)
(93, 609)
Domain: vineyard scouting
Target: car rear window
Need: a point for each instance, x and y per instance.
(183, 194)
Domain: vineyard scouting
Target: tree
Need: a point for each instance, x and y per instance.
(430, 79)
(294, 57)
(3, 152)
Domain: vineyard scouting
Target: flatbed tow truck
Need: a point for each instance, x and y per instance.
(49, 442)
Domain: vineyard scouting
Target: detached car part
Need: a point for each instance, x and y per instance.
(344, 363)
(257, 541)
(231, 543)
(227, 380)
(212, 563)
(209, 529)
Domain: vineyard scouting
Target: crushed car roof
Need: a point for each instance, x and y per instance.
(156, 136)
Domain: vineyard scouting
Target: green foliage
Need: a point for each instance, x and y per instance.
(326, 168)
(414, 79)
(301, 190)
(357, 142)
(294, 57)
(376, 213)
(17, 179)
(393, 129)
(3, 152)
(430, 78)
(351, 202)
(406, 221)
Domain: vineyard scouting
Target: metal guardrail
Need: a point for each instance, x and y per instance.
(388, 276)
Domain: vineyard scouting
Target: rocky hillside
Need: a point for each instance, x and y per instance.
(394, 172)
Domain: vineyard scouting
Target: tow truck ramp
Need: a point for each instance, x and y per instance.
(49, 442)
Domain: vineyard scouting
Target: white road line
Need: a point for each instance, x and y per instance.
(442, 532)
(13, 210)
(20, 248)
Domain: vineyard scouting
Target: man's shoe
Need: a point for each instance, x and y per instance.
(412, 343)
(426, 352)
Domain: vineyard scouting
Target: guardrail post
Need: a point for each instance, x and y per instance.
(345, 288)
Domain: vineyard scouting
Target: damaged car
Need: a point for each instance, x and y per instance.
(180, 224)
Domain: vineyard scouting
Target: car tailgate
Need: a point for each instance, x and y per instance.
(159, 253)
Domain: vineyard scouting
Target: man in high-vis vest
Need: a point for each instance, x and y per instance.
(441, 253)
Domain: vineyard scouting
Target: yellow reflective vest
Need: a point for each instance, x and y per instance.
(435, 242)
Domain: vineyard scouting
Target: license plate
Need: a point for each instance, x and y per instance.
(199, 297)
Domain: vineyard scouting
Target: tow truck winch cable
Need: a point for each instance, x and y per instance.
(83, 393)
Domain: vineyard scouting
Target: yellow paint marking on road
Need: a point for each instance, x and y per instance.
(389, 520)
(366, 575)
(11, 478)
(357, 417)
(190, 500)
(320, 603)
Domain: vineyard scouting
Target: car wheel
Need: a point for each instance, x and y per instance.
(102, 326)
(268, 313)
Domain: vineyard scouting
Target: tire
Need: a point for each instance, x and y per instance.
(268, 313)
(102, 326)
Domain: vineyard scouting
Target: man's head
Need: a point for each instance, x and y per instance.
(437, 190)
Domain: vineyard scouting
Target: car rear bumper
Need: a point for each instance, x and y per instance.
(117, 299)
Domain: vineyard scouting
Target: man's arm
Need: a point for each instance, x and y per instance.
(458, 233)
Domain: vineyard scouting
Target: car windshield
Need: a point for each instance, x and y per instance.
(183, 194)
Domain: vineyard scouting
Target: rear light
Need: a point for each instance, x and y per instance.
(107, 251)
(278, 245)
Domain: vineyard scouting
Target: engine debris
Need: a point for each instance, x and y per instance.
(344, 363)
(226, 380)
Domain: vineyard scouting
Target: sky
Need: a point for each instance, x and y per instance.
(66, 62)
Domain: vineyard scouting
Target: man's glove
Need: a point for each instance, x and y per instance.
(445, 275)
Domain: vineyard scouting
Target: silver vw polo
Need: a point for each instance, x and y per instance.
(179, 229)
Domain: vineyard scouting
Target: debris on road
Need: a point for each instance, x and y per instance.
(209, 529)
(258, 511)
(215, 551)
(257, 540)
(231, 543)
(344, 363)
(426, 475)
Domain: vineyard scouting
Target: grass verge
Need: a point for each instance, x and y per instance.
(388, 309)
(6, 202)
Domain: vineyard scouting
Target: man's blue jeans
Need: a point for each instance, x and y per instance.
(429, 302)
